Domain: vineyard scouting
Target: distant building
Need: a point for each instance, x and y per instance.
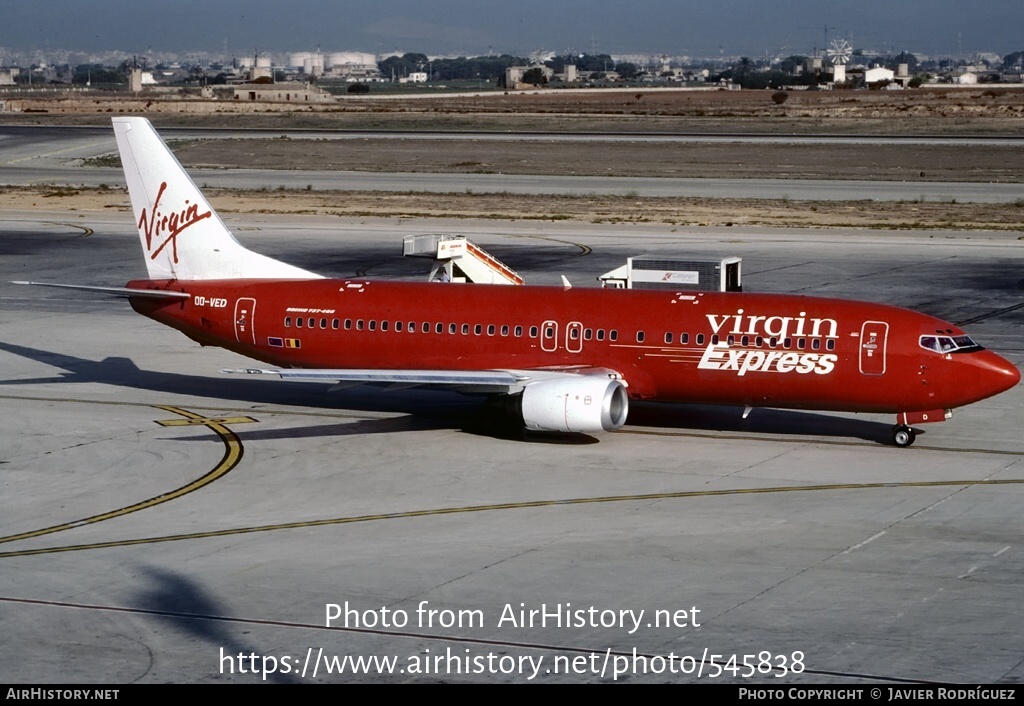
(345, 65)
(352, 66)
(7, 76)
(280, 93)
(878, 75)
(514, 75)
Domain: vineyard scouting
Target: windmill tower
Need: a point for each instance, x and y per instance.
(839, 53)
(569, 66)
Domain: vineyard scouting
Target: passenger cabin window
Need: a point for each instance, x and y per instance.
(287, 322)
(668, 337)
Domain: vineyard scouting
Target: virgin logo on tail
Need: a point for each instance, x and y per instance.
(159, 225)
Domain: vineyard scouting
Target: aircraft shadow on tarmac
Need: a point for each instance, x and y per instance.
(183, 604)
(430, 408)
(766, 421)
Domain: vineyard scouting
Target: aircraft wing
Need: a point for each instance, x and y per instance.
(486, 381)
(565, 399)
(489, 380)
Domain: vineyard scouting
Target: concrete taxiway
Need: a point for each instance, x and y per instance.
(162, 522)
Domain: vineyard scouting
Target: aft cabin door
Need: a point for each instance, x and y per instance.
(245, 314)
(574, 337)
(549, 336)
(873, 337)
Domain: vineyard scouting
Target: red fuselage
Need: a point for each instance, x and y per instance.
(714, 348)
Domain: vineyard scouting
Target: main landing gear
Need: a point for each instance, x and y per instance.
(903, 436)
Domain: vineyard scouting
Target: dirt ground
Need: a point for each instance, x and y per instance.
(984, 111)
(863, 161)
(590, 209)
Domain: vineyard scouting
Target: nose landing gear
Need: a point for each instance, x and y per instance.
(903, 436)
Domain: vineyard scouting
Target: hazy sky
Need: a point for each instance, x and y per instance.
(472, 27)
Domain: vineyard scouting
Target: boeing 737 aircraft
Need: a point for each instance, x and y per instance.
(562, 359)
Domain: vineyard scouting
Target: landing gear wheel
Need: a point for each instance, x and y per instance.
(903, 436)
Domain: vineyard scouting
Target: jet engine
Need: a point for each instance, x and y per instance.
(573, 403)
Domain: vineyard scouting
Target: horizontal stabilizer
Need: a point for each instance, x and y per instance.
(115, 291)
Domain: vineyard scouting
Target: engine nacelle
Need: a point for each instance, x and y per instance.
(585, 403)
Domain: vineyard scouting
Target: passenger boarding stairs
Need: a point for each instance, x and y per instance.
(458, 259)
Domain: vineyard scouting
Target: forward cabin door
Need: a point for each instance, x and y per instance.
(873, 338)
(245, 315)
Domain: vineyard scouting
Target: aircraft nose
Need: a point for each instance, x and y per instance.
(994, 374)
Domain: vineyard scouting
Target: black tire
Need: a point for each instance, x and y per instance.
(903, 436)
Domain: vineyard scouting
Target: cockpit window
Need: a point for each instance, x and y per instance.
(948, 344)
(964, 342)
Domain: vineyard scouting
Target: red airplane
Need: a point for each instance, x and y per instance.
(563, 359)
